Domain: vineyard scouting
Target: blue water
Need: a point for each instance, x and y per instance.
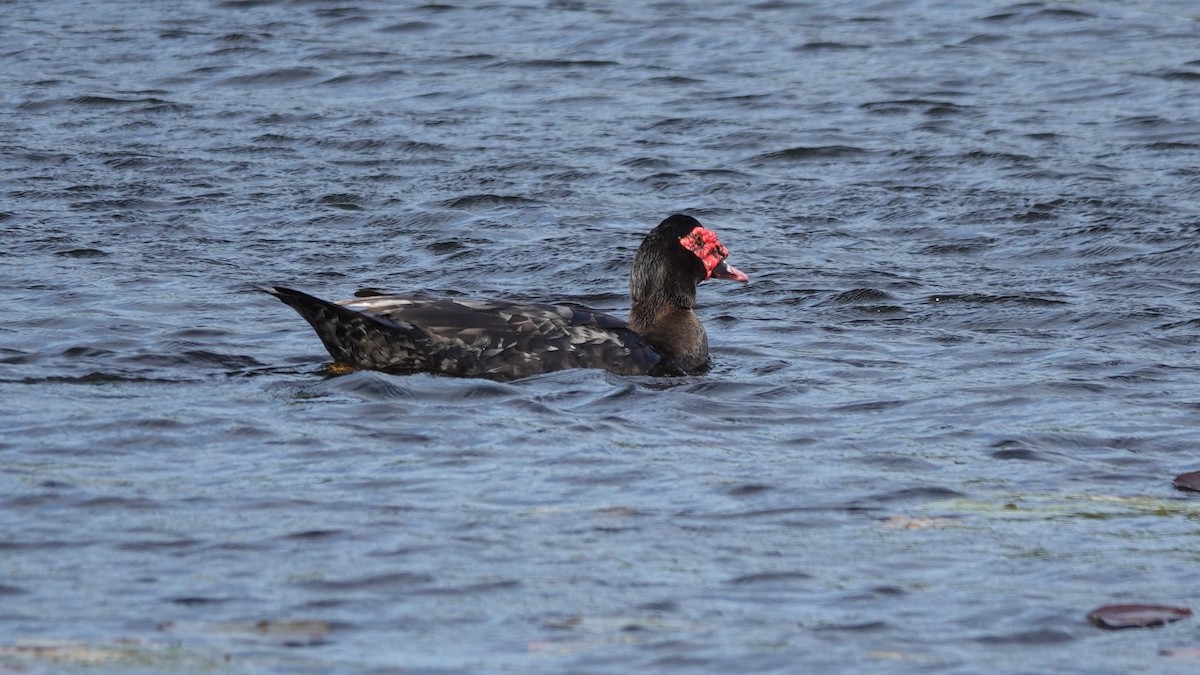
(942, 421)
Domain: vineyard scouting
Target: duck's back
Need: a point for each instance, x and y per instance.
(491, 338)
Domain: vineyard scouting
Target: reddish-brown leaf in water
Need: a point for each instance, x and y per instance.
(1136, 616)
(1188, 481)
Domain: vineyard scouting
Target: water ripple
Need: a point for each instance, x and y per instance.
(967, 353)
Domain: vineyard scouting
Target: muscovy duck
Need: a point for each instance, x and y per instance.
(505, 340)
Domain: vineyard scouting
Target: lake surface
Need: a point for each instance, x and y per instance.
(941, 423)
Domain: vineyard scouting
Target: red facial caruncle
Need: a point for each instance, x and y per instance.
(703, 244)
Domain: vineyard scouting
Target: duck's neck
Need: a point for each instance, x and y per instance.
(672, 329)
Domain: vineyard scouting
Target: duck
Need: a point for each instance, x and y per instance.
(503, 340)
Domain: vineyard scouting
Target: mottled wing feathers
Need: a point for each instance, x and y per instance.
(504, 339)
(357, 338)
(472, 338)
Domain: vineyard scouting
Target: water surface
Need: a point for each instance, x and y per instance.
(942, 420)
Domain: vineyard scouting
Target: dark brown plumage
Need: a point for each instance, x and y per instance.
(505, 340)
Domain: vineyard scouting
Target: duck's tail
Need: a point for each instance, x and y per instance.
(356, 338)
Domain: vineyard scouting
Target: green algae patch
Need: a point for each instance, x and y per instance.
(1056, 507)
(124, 653)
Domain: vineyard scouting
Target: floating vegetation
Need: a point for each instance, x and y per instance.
(901, 522)
(1070, 506)
(124, 652)
(286, 633)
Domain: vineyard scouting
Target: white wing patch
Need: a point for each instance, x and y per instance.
(481, 305)
(380, 304)
(582, 335)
